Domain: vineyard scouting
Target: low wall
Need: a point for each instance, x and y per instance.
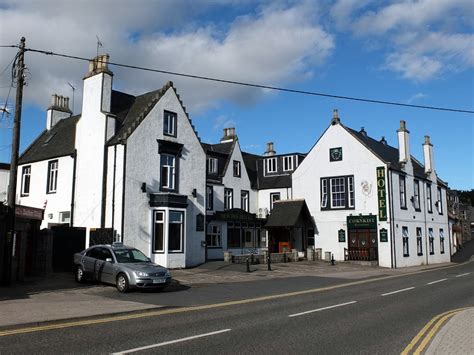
(261, 258)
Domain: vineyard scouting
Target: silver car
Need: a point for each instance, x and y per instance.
(120, 265)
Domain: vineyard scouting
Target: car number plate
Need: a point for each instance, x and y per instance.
(159, 281)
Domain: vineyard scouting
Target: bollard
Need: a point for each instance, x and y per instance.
(269, 268)
(332, 259)
(248, 265)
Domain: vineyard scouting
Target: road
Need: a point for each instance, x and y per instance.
(379, 315)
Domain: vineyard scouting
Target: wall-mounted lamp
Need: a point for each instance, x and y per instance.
(143, 187)
(50, 215)
(194, 193)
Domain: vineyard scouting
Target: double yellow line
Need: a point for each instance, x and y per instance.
(429, 331)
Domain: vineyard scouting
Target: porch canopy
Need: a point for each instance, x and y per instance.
(290, 214)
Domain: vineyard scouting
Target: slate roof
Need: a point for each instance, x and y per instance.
(250, 162)
(57, 142)
(4, 166)
(222, 152)
(290, 213)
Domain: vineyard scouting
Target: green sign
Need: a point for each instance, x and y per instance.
(383, 235)
(199, 223)
(342, 236)
(381, 193)
(362, 222)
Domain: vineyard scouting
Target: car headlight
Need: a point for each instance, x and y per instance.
(141, 273)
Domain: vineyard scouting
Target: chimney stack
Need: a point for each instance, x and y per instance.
(428, 155)
(98, 65)
(383, 140)
(335, 117)
(403, 143)
(270, 151)
(229, 135)
(58, 110)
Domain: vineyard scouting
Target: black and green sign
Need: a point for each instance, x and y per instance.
(199, 223)
(381, 193)
(342, 236)
(383, 235)
(335, 154)
(362, 222)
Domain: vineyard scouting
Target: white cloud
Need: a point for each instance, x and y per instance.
(224, 121)
(423, 39)
(272, 46)
(416, 97)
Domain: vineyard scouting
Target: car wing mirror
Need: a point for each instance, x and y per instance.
(109, 260)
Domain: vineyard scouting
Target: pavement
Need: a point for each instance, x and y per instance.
(58, 298)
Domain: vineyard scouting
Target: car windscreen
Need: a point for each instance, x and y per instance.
(130, 256)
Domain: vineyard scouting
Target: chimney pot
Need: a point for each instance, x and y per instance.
(403, 143)
(270, 150)
(335, 117)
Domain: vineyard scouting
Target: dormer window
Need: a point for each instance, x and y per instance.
(212, 165)
(169, 123)
(236, 165)
(271, 165)
(288, 163)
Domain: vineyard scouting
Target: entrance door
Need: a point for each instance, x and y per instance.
(363, 244)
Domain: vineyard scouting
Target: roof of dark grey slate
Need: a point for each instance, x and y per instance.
(57, 142)
(389, 154)
(221, 152)
(290, 213)
(4, 166)
(250, 161)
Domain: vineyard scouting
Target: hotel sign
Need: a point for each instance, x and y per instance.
(381, 193)
(362, 222)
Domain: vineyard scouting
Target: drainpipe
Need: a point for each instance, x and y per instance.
(74, 156)
(426, 224)
(113, 189)
(392, 222)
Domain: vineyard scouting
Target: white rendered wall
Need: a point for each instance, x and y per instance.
(264, 196)
(57, 202)
(4, 179)
(358, 161)
(114, 190)
(90, 140)
(143, 166)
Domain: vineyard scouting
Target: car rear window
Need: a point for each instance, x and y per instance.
(130, 256)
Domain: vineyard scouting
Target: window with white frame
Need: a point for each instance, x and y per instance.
(212, 165)
(175, 231)
(441, 240)
(213, 237)
(403, 195)
(52, 183)
(228, 199)
(209, 197)
(440, 201)
(168, 172)
(337, 192)
(169, 123)
(350, 182)
(324, 193)
(274, 196)
(431, 240)
(416, 195)
(236, 165)
(244, 200)
(271, 165)
(406, 249)
(428, 198)
(25, 180)
(419, 241)
(288, 163)
(159, 232)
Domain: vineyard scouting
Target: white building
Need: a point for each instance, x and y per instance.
(374, 202)
(4, 179)
(131, 168)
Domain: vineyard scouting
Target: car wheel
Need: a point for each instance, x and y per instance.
(79, 274)
(122, 283)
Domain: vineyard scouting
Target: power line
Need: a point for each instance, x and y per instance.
(275, 88)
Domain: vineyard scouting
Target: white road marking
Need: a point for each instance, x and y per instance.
(435, 282)
(467, 273)
(173, 341)
(391, 293)
(321, 309)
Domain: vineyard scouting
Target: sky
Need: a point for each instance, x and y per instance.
(413, 52)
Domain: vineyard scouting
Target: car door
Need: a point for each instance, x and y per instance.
(99, 264)
(89, 260)
(107, 266)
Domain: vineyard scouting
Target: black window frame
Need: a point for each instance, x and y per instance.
(209, 197)
(419, 241)
(406, 244)
(237, 168)
(326, 183)
(429, 198)
(403, 194)
(440, 200)
(441, 241)
(174, 120)
(431, 240)
(25, 178)
(174, 188)
(416, 196)
(49, 190)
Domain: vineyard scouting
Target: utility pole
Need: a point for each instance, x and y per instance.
(14, 163)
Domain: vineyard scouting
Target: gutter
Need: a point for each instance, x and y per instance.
(74, 156)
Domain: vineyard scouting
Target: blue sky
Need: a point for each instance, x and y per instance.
(418, 52)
